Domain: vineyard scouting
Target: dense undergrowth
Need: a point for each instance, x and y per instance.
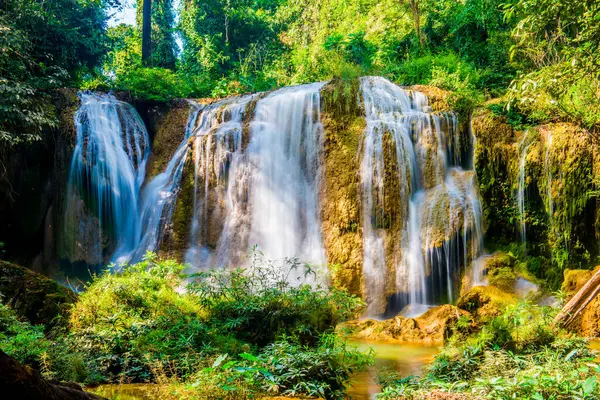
(218, 334)
(516, 355)
(230, 334)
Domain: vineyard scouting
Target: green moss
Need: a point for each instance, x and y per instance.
(33, 296)
(561, 213)
(176, 239)
(343, 123)
(167, 125)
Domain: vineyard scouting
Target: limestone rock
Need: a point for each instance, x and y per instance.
(432, 327)
(485, 302)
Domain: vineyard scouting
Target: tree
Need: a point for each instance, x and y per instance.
(158, 45)
(413, 6)
(44, 45)
(577, 304)
(146, 31)
(559, 43)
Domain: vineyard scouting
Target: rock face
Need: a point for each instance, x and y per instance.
(20, 383)
(434, 326)
(33, 296)
(485, 302)
(535, 186)
(343, 125)
(588, 324)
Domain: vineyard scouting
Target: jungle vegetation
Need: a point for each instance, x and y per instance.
(249, 333)
(540, 55)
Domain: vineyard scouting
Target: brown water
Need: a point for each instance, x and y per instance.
(405, 359)
(127, 391)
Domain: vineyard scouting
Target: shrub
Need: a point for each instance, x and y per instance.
(260, 305)
(516, 355)
(21, 340)
(128, 321)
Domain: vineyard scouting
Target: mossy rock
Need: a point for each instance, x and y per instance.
(439, 99)
(500, 269)
(434, 326)
(485, 302)
(343, 123)
(33, 296)
(167, 124)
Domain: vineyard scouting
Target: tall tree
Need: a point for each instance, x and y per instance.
(415, 10)
(146, 31)
(160, 48)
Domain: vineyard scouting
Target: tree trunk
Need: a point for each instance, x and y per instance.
(146, 32)
(413, 5)
(577, 304)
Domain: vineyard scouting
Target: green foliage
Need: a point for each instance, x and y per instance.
(21, 340)
(230, 334)
(44, 45)
(558, 42)
(516, 355)
(284, 367)
(131, 321)
(259, 304)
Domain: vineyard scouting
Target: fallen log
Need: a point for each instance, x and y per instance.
(577, 304)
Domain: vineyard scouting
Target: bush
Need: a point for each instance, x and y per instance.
(260, 305)
(283, 367)
(516, 355)
(129, 321)
(21, 340)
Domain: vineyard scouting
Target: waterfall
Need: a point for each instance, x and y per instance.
(248, 172)
(523, 148)
(217, 145)
(272, 194)
(258, 185)
(284, 154)
(436, 231)
(107, 172)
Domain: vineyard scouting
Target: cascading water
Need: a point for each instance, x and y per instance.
(257, 171)
(107, 171)
(158, 199)
(217, 144)
(523, 150)
(271, 195)
(436, 230)
(284, 158)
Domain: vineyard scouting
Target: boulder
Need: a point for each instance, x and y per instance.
(434, 326)
(33, 296)
(485, 302)
(22, 383)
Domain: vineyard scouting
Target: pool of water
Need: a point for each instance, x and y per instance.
(405, 359)
(127, 391)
